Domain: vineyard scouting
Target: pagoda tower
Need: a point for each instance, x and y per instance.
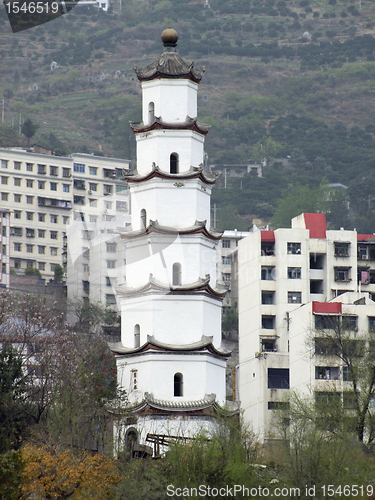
(169, 360)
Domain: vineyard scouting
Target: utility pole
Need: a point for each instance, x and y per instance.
(215, 215)
(20, 125)
(3, 110)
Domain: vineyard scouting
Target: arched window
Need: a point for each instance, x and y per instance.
(176, 274)
(173, 163)
(137, 335)
(143, 218)
(131, 439)
(151, 112)
(178, 384)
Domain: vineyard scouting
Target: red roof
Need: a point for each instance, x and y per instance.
(365, 237)
(267, 236)
(317, 225)
(327, 307)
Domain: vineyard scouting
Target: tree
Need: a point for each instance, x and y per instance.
(29, 129)
(33, 271)
(85, 315)
(229, 321)
(265, 149)
(294, 202)
(51, 473)
(339, 338)
(58, 273)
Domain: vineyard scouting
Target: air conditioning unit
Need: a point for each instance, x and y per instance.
(90, 192)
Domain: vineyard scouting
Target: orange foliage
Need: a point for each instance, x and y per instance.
(50, 474)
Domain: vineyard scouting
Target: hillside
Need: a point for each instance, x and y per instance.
(299, 72)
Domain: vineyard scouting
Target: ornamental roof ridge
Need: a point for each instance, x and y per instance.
(193, 172)
(170, 65)
(207, 401)
(202, 285)
(154, 226)
(204, 343)
(158, 123)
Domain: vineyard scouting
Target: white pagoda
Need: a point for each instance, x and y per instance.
(169, 360)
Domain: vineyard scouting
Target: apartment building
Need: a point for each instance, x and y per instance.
(278, 271)
(60, 203)
(225, 249)
(4, 247)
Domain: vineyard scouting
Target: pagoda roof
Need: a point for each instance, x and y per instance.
(205, 344)
(188, 124)
(193, 173)
(155, 227)
(169, 65)
(201, 287)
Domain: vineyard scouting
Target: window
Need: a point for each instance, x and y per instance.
(151, 112)
(52, 267)
(269, 345)
(42, 169)
(325, 346)
(121, 206)
(93, 218)
(41, 184)
(347, 375)
(4, 196)
(41, 266)
(371, 323)
(268, 322)
(178, 385)
(86, 268)
(323, 322)
(111, 264)
(278, 405)
(349, 400)
(79, 167)
(29, 167)
(4, 163)
(93, 186)
(53, 171)
(17, 165)
(79, 184)
(93, 171)
(17, 181)
(111, 247)
(53, 186)
(109, 281)
(54, 219)
(225, 276)
(53, 235)
(17, 263)
(79, 200)
(17, 198)
(4, 179)
(176, 274)
(65, 219)
(278, 378)
(225, 260)
(30, 200)
(143, 219)
(53, 251)
(4, 232)
(120, 188)
(107, 189)
(110, 298)
(294, 273)
(29, 215)
(41, 217)
(41, 233)
(29, 248)
(173, 163)
(17, 247)
(225, 243)
(327, 372)
(66, 172)
(294, 248)
(66, 188)
(268, 297)
(17, 214)
(342, 274)
(93, 203)
(30, 233)
(341, 249)
(16, 231)
(41, 249)
(294, 297)
(4, 268)
(267, 273)
(350, 323)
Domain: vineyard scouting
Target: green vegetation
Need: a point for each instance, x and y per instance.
(33, 271)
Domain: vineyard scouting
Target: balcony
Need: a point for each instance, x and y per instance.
(54, 203)
(30, 233)
(316, 274)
